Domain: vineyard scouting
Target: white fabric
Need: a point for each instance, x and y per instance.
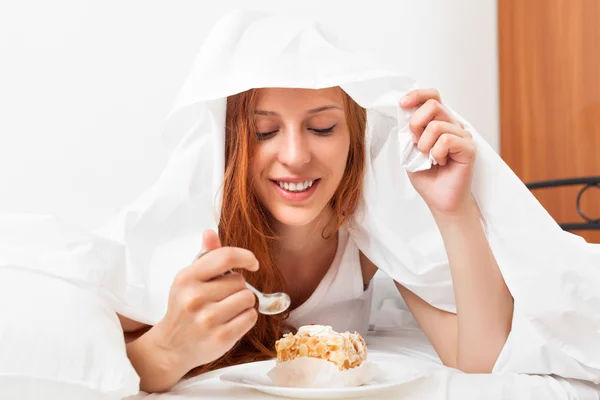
(58, 341)
(51, 247)
(553, 276)
(339, 300)
(402, 347)
(389, 311)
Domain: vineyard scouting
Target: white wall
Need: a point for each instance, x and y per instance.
(84, 85)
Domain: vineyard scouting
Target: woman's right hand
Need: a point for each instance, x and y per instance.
(208, 312)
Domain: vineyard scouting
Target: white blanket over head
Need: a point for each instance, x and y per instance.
(553, 276)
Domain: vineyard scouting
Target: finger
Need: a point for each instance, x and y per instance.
(434, 130)
(221, 260)
(227, 309)
(417, 97)
(194, 295)
(432, 110)
(222, 287)
(453, 147)
(235, 304)
(210, 240)
(237, 327)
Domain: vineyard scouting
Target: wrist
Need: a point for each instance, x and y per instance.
(467, 217)
(156, 365)
(466, 210)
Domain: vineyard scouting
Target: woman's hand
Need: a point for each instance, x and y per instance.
(446, 187)
(207, 313)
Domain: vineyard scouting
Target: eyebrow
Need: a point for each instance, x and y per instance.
(312, 111)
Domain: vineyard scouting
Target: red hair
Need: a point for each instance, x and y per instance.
(246, 223)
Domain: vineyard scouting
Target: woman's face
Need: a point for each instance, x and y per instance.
(300, 158)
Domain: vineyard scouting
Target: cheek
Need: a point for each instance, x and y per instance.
(262, 159)
(258, 161)
(254, 173)
(337, 155)
(255, 166)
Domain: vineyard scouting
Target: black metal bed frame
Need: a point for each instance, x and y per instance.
(587, 183)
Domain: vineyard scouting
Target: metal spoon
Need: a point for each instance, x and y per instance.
(268, 304)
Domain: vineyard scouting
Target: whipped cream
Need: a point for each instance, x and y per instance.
(317, 330)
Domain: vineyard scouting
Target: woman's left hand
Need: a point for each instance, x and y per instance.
(446, 187)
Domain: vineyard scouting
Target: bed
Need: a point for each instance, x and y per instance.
(407, 346)
(394, 335)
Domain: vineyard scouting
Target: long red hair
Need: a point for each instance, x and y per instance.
(246, 223)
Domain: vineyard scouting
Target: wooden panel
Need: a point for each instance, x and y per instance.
(549, 52)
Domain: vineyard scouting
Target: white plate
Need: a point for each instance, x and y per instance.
(254, 376)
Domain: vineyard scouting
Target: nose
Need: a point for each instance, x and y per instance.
(295, 150)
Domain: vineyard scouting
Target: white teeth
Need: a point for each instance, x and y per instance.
(296, 187)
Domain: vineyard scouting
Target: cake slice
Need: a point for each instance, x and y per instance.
(346, 350)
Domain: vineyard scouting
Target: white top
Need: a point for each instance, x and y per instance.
(340, 300)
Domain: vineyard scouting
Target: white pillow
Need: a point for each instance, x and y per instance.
(59, 341)
(59, 334)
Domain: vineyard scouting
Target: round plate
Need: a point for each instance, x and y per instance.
(254, 376)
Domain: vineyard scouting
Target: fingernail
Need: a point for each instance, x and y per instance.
(414, 138)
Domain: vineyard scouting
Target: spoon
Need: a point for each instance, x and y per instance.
(268, 304)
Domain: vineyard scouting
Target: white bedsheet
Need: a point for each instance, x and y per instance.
(443, 383)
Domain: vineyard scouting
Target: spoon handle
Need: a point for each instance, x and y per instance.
(255, 291)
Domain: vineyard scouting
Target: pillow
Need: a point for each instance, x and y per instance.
(45, 243)
(58, 340)
(59, 334)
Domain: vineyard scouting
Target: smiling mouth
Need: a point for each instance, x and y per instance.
(296, 187)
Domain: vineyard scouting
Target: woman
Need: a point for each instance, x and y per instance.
(294, 171)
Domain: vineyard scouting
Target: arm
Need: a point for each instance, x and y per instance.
(157, 370)
(439, 326)
(130, 326)
(483, 303)
(208, 312)
(471, 339)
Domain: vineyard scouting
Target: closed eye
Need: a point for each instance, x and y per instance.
(324, 132)
(321, 132)
(265, 135)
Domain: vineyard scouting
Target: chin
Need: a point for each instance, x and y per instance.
(295, 216)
